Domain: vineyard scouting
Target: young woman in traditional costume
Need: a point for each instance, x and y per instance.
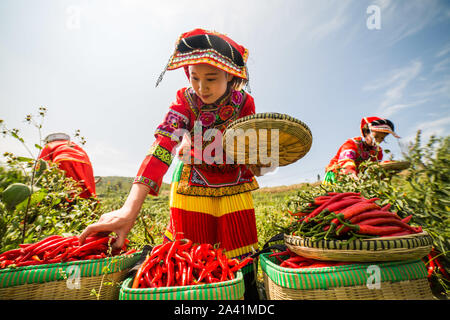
(72, 159)
(209, 202)
(356, 150)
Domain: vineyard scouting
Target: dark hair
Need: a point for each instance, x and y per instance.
(237, 83)
(206, 41)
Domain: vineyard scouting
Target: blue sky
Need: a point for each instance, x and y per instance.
(93, 65)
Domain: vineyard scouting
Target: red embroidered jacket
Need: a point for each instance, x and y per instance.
(352, 153)
(187, 111)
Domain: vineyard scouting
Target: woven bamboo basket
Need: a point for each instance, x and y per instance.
(408, 247)
(226, 290)
(395, 165)
(401, 280)
(293, 137)
(76, 280)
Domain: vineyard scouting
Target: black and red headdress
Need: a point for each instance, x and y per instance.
(378, 124)
(213, 48)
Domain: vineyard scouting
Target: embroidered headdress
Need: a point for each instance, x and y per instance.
(213, 48)
(378, 124)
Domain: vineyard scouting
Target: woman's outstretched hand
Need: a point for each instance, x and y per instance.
(122, 220)
(118, 221)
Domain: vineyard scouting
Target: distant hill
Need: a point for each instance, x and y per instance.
(123, 184)
(118, 184)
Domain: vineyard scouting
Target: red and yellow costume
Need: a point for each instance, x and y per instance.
(74, 161)
(209, 202)
(355, 150)
(351, 154)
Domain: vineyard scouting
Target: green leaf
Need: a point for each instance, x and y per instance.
(24, 159)
(38, 195)
(15, 194)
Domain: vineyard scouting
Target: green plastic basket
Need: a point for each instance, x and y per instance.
(365, 281)
(226, 290)
(75, 280)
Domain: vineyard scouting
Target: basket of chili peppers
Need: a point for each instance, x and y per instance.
(59, 268)
(181, 270)
(349, 227)
(288, 276)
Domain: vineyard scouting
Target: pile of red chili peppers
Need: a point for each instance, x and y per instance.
(55, 249)
(289, 259)
(434, 264)
(348, 215)
(182, 263)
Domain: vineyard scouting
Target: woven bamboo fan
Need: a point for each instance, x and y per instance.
(395, 165)
(408, 247)
(262, 137)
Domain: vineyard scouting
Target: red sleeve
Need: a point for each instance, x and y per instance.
(168, 135)
(347, 155)
(249, 106)
(380, 154)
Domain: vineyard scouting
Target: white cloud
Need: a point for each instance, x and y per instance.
(442, 65)
(389, 111)
(395, 84)
(439, 127)
(405, 18)
(444, 51)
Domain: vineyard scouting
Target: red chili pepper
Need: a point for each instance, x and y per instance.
(170, 273)
(223, 264)
(407, 219)
(35, 245)
(385, 221)
(185, 246)
(160, 250)
(52, 250)
(298, 259)
(331, 200)
(287, 264)
(282, 253)
(138, 275)
(210, 267)
(91, 245)
(441, 268)
(131, 251)
(242, 264)
(27, 263)
(11, 254)
(355, 209)
(431, 266)
(373, 214)
(158, 274)
(377, 230)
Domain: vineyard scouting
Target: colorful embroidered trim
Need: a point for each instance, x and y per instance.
(210, 56)
(148, 182)
(186, 188)
(161, 154)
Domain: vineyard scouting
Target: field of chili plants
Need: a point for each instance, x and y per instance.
(37, 200)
